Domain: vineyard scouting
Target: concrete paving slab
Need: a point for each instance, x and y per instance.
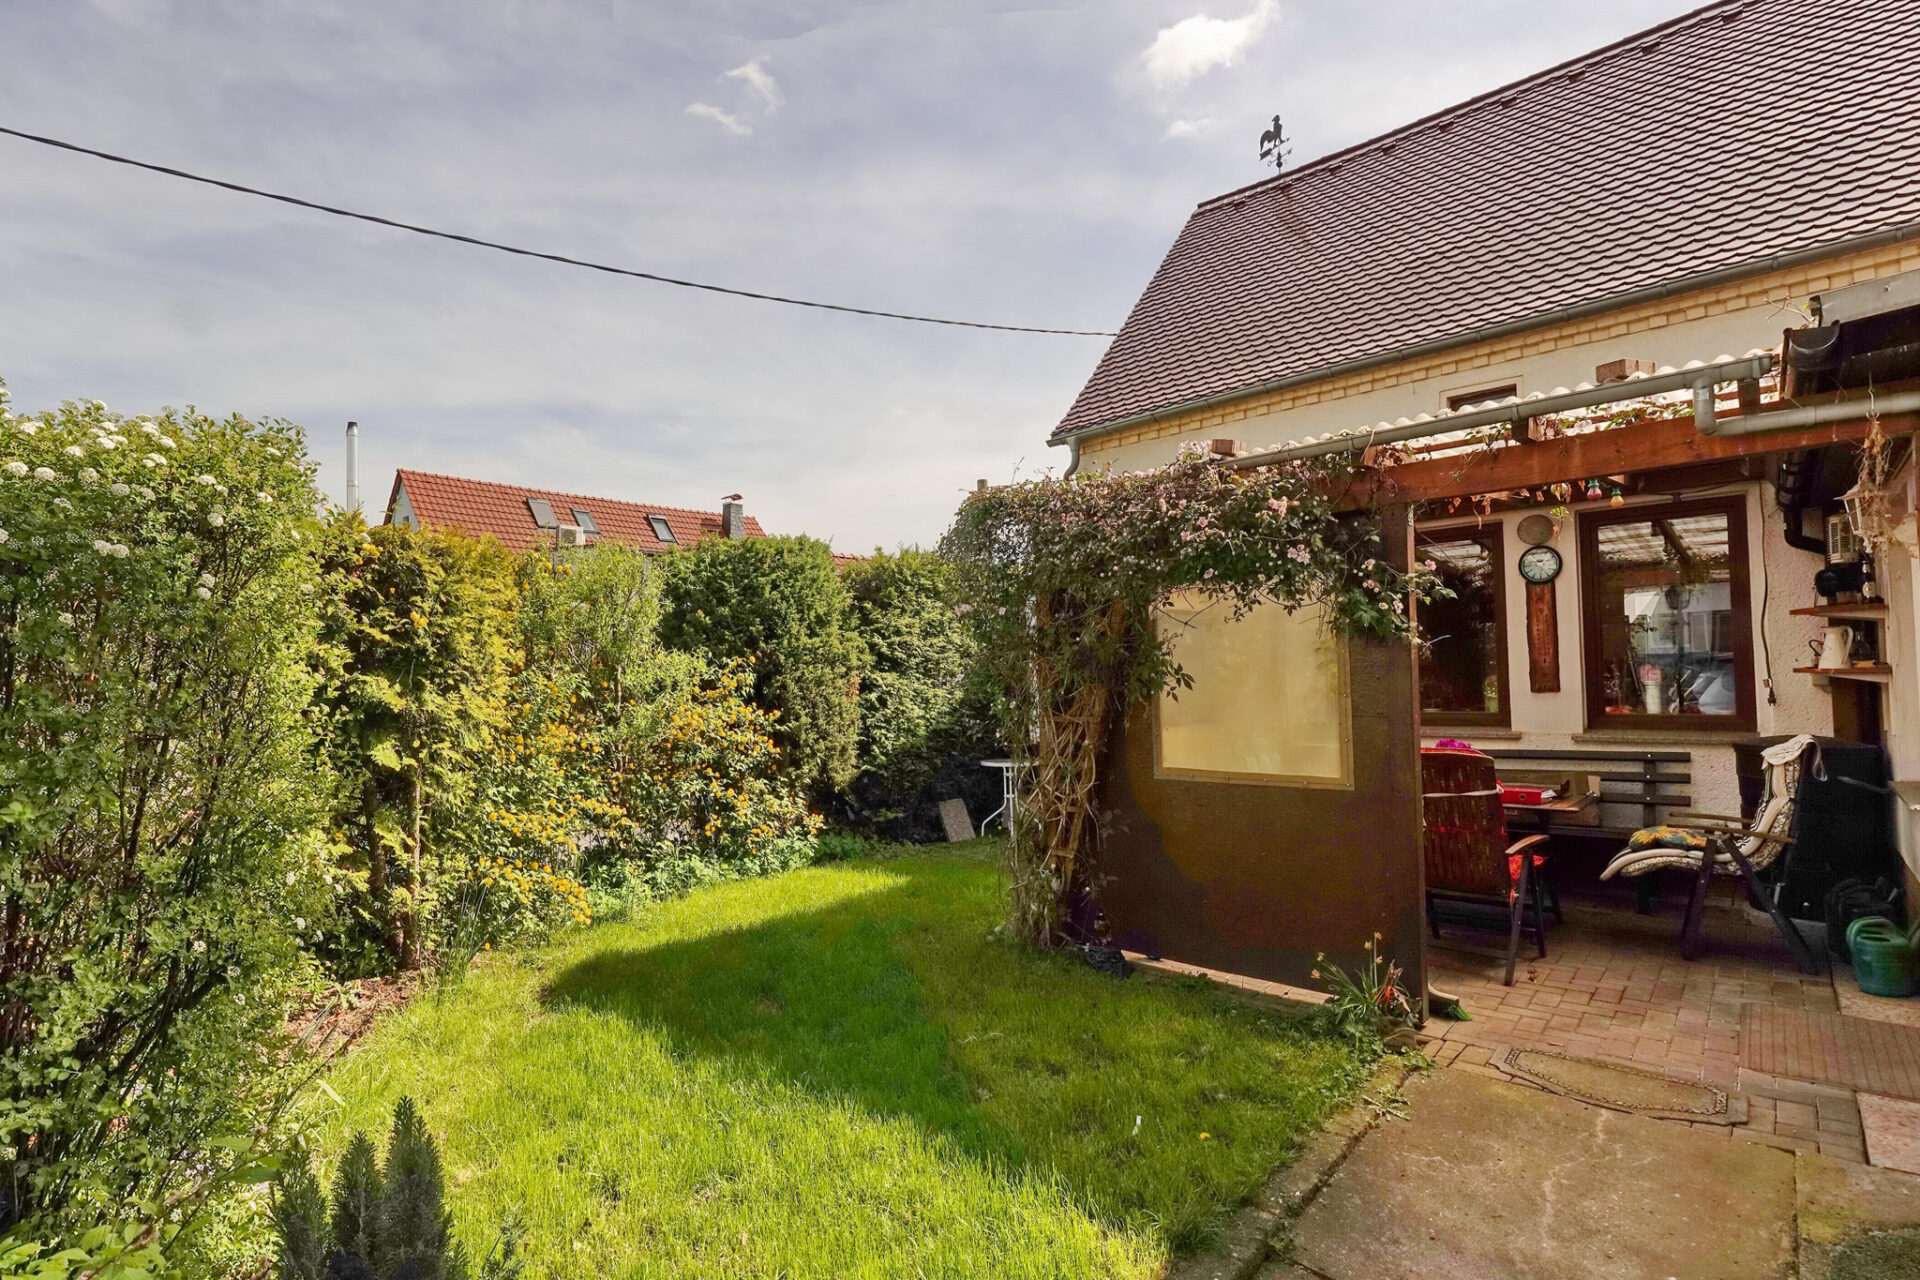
(1892, 1130)
(1837, 1203)
(1494, 1181)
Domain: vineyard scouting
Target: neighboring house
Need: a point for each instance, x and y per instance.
(1655, 215)
(523, 518)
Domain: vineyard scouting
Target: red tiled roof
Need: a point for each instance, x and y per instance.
(1733, 134)
(482, 507)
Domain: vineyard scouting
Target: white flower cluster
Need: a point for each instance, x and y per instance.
(154, 460)
(117, 550)
(47, 474)
(16, 468)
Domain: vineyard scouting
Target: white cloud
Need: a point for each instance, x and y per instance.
(1190, 128)
(760, 83)
(732, 123)
(1196, 45)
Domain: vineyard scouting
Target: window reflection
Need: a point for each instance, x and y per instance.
(1463, 663)
(1663, 588)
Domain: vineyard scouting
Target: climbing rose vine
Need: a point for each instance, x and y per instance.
(1063, 579)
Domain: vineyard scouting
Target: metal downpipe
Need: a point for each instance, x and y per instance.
(1805, 415)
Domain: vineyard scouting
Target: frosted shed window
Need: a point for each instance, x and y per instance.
(1269, 699)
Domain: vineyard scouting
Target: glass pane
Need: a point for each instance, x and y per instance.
(1269, 696)
(1664, 589)
(1460, 668)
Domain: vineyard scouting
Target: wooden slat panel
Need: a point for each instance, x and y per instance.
(1656, 777)
(1658, 757)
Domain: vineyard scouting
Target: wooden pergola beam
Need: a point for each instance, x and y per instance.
(1641, 447)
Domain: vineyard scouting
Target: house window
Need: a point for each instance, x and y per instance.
(661, 529)
(1269, 698)
(584, 518)
(1664, 594)
(1459, 400)
(1463, 667)
(542, 511)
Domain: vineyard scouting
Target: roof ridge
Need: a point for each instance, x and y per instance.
(1460, 109)
(653, 507)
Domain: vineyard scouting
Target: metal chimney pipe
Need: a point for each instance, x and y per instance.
(353, 466)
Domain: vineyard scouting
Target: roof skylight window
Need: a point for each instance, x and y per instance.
(661, 529)
(542, 513)
(584, 519)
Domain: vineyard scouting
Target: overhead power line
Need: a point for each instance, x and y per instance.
(561, 258)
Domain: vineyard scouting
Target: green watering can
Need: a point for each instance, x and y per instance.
(1885, 957)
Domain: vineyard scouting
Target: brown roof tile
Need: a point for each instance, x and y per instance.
(1729, 136)
(481, 507)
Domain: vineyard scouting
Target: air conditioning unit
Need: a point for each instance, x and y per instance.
(570, 535)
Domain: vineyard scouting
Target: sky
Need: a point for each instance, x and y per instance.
(1020, 163)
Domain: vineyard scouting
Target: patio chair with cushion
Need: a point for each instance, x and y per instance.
(1468, 857)
(1708, 845)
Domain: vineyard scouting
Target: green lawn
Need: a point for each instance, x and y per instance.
(838, 1072)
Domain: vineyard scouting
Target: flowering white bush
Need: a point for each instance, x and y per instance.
(160, 795)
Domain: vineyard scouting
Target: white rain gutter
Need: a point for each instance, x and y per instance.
(1699, 376)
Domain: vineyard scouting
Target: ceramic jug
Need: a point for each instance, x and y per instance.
(1836, 647)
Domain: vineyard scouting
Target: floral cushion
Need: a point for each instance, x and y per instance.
(1666, 838)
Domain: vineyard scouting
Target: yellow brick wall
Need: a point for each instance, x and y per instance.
(1778, 290)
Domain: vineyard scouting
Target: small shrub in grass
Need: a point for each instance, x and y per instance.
(1372, 1006)
(839, 846)
(384, 1223)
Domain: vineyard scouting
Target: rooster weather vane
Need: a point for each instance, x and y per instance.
(1274, 148)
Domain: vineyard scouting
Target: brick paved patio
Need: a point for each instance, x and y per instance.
(1613, 986)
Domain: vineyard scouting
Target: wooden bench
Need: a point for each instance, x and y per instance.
(1643, 780)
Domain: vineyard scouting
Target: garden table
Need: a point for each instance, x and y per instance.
(1009, 792)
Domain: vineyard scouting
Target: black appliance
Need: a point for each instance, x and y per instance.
(1843, 823)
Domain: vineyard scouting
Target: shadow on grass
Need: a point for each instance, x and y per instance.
(1159, 1109)
(820, 998)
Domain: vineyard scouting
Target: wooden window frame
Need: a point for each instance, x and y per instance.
(1458, 400)
(1310, 782)
(1740, 619)
(1503, 718)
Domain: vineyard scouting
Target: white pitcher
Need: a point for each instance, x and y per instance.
(1836, 648)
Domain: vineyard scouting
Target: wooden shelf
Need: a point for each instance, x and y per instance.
(1864, 611)
(1876, 675)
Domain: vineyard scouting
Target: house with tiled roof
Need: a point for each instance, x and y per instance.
(1603, 346)
(523, 518)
